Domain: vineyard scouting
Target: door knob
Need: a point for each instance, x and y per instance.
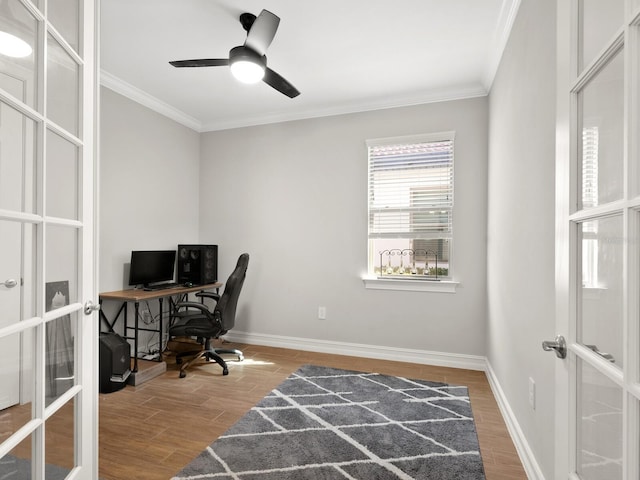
(10, 283)
(90, 307)
(559, 345)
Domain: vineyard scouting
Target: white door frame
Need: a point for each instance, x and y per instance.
(567, 216)
(83, 395)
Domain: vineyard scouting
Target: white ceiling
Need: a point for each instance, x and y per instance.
(343, 55)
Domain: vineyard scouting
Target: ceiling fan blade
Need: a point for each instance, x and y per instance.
(203, 62)
(262, 32)
(274, 80)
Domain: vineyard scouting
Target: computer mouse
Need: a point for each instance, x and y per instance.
(188, 284)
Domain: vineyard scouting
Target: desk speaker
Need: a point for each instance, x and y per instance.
(197, 264)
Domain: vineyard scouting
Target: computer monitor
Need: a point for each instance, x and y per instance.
(151, 266)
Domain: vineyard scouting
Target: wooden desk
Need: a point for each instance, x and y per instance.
(139, 295)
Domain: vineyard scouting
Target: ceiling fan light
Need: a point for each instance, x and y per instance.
(247, 71)
(12, 46)
(247, 65)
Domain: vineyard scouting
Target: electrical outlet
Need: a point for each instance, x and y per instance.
(322, 313)
(532, 393)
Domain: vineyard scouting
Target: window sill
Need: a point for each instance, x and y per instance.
(593, 293)
(410, 285)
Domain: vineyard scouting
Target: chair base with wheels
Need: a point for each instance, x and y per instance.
(209, 354)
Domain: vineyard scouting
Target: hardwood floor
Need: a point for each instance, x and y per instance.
(151, 431)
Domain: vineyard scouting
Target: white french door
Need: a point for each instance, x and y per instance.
(48, 344)
(598, 248)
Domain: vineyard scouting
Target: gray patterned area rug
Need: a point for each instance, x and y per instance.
(325, 423)
(15, 468)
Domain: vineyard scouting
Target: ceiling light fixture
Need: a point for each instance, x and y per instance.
(246, 65)
(12, 46)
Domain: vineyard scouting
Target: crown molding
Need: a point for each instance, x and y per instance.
(432, 96)
(506, 19)
(133, 93)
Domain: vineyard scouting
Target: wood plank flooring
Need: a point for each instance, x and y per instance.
(151, 431)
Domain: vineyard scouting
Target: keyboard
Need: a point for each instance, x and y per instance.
(161, 286)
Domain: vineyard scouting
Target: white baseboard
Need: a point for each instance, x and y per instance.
(424, 357)
(531, 467)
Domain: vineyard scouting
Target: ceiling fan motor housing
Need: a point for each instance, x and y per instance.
(242, 53)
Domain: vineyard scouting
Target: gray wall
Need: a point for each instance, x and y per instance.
(294, 196)
(149, 186)
(521, 307)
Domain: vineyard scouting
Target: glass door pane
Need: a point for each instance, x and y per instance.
(64, 16)
(18, 61)
(17, 464)
(600, 312)
(60, 351)
(599, 440)
(600, 20)
(17, 160)
(60, 438)
(16, 395)
(63, 87)
(62, 260)
(602, 125)
(63, 173)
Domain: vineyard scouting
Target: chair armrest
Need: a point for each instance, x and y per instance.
(211, 295)
(187, 305)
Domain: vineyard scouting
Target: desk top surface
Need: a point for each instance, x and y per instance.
(138, 294)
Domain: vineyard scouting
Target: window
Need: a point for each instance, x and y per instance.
(411, 206)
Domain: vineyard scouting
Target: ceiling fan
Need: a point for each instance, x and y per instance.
(248, 62)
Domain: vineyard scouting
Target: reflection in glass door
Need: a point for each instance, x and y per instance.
(48, 398)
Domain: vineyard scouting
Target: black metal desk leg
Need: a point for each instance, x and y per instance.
(103, 318)
(160, 334)
(135, 338)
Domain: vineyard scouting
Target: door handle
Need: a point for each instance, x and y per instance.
(10, 283)
(559, 345)
(606, 356)
(91, 307)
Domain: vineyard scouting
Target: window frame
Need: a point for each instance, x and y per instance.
(411, 282)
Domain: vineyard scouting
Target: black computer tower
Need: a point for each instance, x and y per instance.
(115, 362)
(197, 264)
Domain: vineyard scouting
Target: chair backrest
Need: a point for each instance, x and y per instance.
(225, 308)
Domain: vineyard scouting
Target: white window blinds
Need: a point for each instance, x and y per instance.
(411, 187)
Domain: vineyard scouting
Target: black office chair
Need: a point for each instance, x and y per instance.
(207, 324)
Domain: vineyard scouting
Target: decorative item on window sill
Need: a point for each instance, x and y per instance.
(410, 263)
